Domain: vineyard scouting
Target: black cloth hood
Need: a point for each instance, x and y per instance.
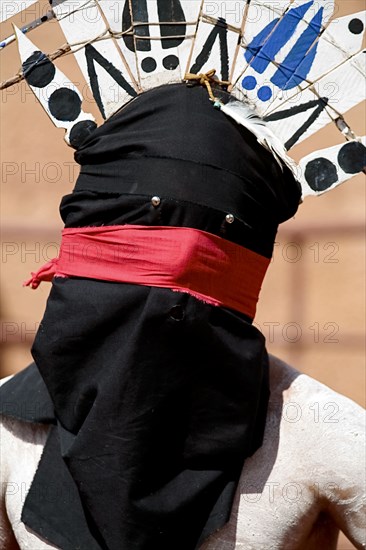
(158, 397)
(172, 141)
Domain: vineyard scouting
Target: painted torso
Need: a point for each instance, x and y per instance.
(304, 484)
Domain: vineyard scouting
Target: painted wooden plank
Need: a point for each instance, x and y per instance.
(100, 60)
(218, 36)
(325, 169)
(60, 98)
(331, 53)
(318, 105)
(270, 60)
(9, 8)
(163, 39)
(342, 39)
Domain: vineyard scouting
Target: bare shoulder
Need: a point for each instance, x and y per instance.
(21, 448)
(306, 481)
(23, 440)
(325, 432)
(320, 418)
(325, 404)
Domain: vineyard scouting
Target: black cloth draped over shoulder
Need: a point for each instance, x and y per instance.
(155, 398)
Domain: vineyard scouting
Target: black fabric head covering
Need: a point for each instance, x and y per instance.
(159, 397)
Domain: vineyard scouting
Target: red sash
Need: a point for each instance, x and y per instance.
(206, 266)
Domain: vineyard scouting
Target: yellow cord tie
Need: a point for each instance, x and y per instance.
(205, 79)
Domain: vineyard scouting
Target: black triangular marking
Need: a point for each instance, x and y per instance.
(93, 56)
(219, 31)
(320, 105)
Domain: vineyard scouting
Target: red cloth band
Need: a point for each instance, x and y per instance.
(206, 266)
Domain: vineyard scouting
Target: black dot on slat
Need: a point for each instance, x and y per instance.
(65, 104)
(148, 64)
(352, 157)
(170, 62)
(320, 174)
(355, 26)
(80, 131)
(38, 70)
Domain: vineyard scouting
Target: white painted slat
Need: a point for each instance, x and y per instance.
(101, 63)
(9, 8)
(338, 43)
(334, 47)
(215, 46)
(344, 87)
(323, 170)
(258, 80)
(59, 97)
(161, 60)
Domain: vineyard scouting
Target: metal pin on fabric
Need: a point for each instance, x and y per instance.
(229, 218)
(155, 201)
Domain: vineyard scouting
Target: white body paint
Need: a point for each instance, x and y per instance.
(305, 483)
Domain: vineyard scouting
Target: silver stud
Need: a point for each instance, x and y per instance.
(155, 201)
(229, 218)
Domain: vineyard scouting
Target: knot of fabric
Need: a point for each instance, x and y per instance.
(206, 79)
(45, 273)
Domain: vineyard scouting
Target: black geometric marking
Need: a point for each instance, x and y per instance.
(80, 131)
(320, 103)
(352, 157)
(170, 62)
(220, 31)
(320, 173)
(93, 56)
(356, 26)
(38, 70)
(140, 13)
(148, 64)
(171, 12)
(64, 104)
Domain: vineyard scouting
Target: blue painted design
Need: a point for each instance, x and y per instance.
(258, 41)
(280, 36)
(264, 93)
(266, 45)
(297, 64)
(249, 82)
